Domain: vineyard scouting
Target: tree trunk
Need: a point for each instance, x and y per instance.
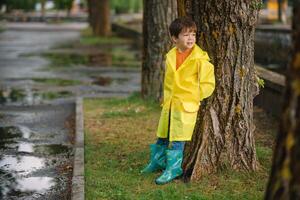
(157, 17)
(279, 2)
(43, 2)
(223, 134)
(284, 182)
(99, 17)
(184, 8)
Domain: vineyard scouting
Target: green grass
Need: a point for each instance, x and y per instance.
(55, 95)
(125, 57)
(57, 82)
(117, 135)
(59, 60)
(87, 38)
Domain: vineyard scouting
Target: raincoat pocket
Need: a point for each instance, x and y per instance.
(190, 107)
(189, 114)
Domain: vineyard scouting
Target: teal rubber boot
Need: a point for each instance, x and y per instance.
(173, 169)
(157, 159)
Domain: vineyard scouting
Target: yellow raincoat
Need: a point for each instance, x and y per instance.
(184, 88)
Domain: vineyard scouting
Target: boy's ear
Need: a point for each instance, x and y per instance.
(174, 39)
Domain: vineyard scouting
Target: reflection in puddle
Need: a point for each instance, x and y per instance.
(25, 147)
(12, 132)
(11, 95)
(52, 149)
(38, 184)
(17, 187)
(25, 131)
(21, 164)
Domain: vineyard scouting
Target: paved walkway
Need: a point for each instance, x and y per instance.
(37, 135)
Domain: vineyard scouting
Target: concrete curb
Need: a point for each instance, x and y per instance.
(78, 168)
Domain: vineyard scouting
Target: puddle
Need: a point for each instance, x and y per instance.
(10, 132)
(26, 132)
(52, 149)
(13, 132)
(18, 187)
(21, 147)
(11, 95)
(28, 97)
(25, 147)
(21, 164)
(37, 184)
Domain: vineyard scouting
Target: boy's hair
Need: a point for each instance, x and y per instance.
(182, 24)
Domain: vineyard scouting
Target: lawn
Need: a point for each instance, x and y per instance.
(117, 135)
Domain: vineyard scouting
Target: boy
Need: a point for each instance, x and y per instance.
(189, 78)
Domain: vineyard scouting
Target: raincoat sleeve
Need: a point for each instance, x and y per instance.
(206, 79)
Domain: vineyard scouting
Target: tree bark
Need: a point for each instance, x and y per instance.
(43, 10)
(157, 17)
(284, 182)
(279, 2)
(223, 135)
(99, 17)
(184, 8)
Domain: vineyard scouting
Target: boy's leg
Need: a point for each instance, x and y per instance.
(178, 145)
(174, 161)
(158, 156)
(162, 141)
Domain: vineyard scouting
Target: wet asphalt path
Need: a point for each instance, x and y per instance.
(36, 135)
(36, 153)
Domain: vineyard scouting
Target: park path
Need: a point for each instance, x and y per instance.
(36, 134)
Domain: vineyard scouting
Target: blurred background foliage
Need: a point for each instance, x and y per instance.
(126, 6)
(117, 6)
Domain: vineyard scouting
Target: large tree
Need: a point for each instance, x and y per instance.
(157, 17)
(223, 134)
(99, 17)
(284, 182)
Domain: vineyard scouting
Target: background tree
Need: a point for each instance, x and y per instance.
(223, 134)
(27, 5)
(126, 6)
(99, 17)
(157, 17)
(64, 5)
(284, 182)
(43, 9)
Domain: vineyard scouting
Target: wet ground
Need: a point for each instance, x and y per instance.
(23, 63)
(37, 92)
(36, 151)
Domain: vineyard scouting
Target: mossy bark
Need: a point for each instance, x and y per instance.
(284, 182)
(224, 133)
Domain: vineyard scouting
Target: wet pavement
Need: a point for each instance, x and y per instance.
(36, 151)
(37, 118)
(21, 62)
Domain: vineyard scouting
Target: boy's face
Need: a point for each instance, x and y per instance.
(185, 40)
